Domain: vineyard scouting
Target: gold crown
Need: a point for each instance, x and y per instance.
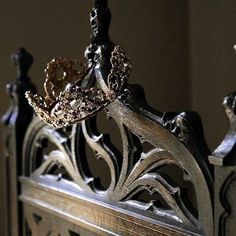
(69, 99)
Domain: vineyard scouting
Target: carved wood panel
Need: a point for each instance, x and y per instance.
(40, 223)
(154, 145)
(132, 172)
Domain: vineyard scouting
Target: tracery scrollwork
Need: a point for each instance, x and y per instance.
(129, 178)
(133, 170)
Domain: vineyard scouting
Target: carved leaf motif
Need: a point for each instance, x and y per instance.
(137, 172)
(148, 162)
(152, 183)
(127, 180)
(98, 144)
(56, 158)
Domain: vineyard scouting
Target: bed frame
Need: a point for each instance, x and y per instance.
(161, 180)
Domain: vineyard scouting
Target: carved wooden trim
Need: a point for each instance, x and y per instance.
(175, 141)
(126, 180)
(223, 159)
(224, 201)
(91, 214)
(38, 222)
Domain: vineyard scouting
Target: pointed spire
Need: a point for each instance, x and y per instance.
(20, 112)
(100, 19)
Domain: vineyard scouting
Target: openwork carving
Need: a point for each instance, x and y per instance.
(133, 170)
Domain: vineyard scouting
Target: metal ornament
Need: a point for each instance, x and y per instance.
(76, 96)
(68, 101)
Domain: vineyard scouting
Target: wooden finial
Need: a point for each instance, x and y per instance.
(19, 111)
(23, 61)
(100, 19)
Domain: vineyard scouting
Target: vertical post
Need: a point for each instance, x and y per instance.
(224, 161)
(15, 121)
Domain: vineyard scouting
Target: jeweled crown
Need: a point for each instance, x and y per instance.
(77, 95)
(67, 101)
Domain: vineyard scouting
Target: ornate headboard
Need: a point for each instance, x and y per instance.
(158, 179)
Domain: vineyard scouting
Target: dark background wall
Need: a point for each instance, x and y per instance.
(154, 34)
(182, 51)
(213, 61)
